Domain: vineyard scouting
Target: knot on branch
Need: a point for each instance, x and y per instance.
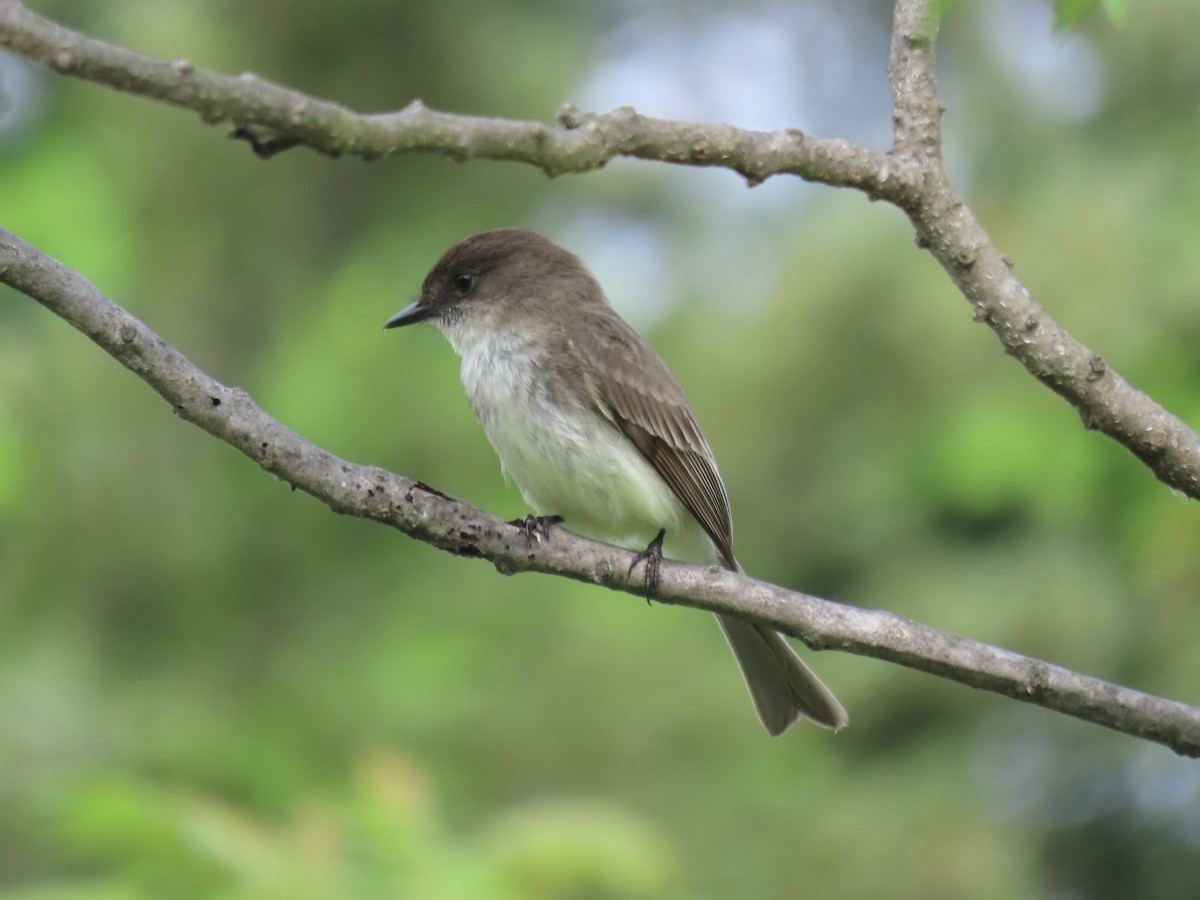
(63, 59)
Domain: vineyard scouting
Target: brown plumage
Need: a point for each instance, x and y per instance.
(563, 387)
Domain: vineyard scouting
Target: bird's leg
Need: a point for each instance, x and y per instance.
(652, 557)
(536, 528)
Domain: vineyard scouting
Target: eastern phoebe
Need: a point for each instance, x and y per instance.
(593, 427)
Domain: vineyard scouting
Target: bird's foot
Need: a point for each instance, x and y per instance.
(652, 557)
(536, 528)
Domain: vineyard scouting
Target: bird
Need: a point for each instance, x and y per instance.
(596, 431)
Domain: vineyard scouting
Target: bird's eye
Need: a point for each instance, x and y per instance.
(463, 282)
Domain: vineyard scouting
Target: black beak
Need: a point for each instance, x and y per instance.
(414, 312)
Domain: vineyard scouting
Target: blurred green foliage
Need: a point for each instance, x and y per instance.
(211, 687)
(1069, 12)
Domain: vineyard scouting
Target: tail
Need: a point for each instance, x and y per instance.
(782, 687)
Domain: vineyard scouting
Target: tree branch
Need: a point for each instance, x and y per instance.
(909, 175)
(275, 118)
(946, 227)
(423, 513)
(916, 111)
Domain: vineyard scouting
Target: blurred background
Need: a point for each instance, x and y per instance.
(210, 686)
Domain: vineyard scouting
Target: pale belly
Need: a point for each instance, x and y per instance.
(569, 460)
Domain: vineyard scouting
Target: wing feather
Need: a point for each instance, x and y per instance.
(634, 387)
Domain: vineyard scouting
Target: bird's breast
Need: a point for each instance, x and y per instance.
(565, 455)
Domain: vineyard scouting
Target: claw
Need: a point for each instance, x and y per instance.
(652, 557)
(536, 528)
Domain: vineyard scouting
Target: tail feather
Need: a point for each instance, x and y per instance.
(782, 687)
